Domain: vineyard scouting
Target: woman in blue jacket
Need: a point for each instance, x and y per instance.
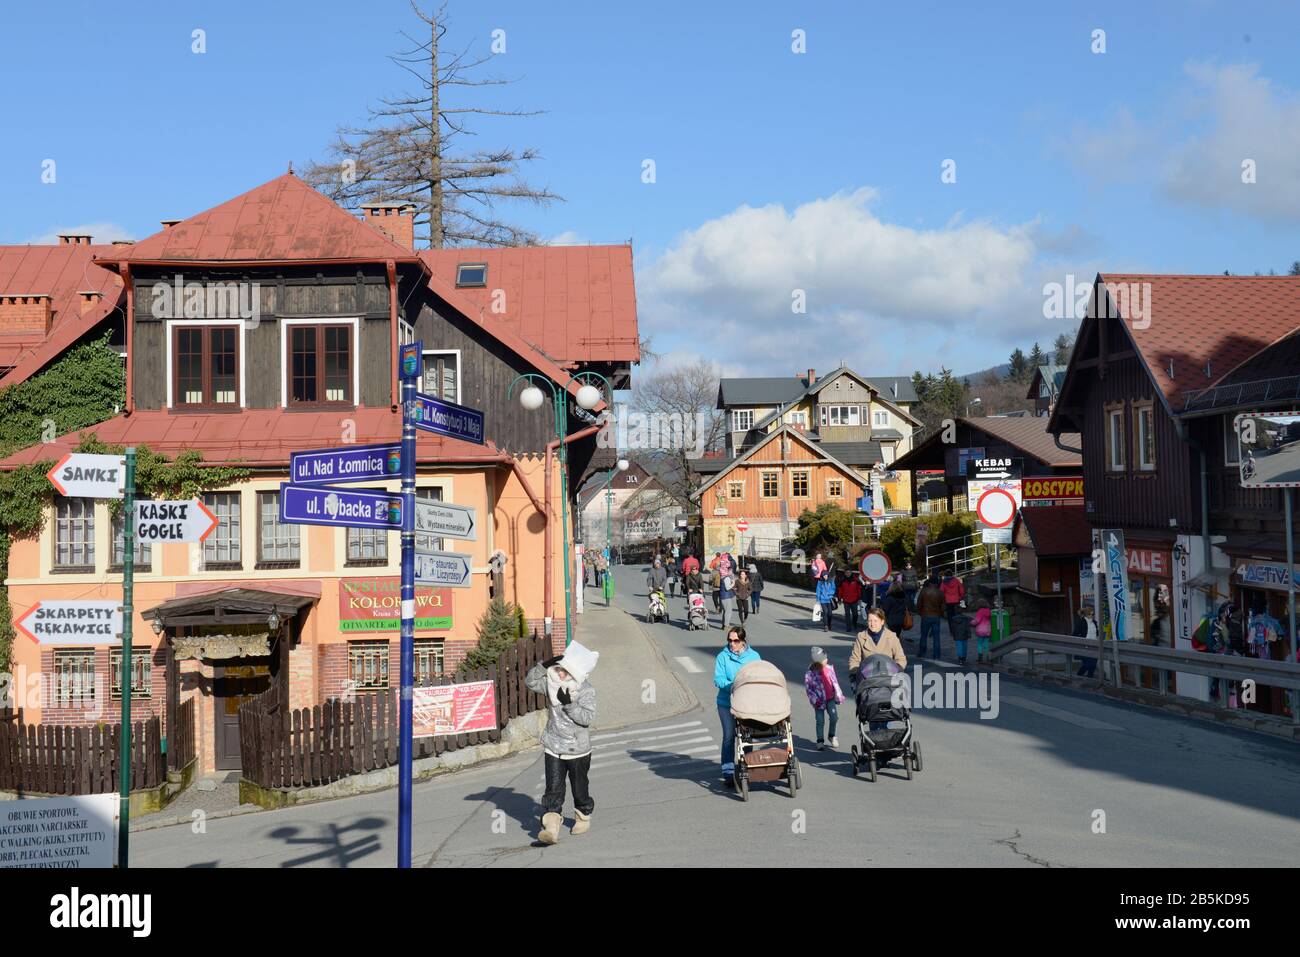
(826, 598)
(730, 660)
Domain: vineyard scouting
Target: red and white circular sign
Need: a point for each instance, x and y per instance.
(875, 566)
(742, 526)
(996, 508)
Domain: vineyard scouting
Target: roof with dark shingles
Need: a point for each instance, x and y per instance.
(857, 454)
(886, 384)
(1029, 434)
(770, 391)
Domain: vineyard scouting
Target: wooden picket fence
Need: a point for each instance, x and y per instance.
(300, 747)
(181, 739)
(77, 759)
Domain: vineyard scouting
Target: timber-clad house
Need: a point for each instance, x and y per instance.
(267, 325)
(1162, 366)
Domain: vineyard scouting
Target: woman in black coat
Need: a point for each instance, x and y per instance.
(894, 606)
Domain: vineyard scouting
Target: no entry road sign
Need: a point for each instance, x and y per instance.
(447, 418)
(996, 508)
(448, 569)
(443, 520)
(309, 505)
(350, 463)
(875, 566)
(73, 622)
(80, 475)
(173, 521)
(742, 526)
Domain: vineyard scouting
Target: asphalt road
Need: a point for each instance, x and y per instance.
(1056, 779)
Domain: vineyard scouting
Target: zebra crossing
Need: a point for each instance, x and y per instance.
(686, 748)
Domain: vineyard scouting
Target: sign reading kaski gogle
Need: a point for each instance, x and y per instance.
(173, 521)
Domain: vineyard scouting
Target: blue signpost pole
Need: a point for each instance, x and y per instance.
(408, 626)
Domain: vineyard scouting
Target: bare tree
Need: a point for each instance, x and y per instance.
(688, 395)
(410, 152)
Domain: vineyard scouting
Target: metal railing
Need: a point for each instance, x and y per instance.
(1118, 655)
(965, 558)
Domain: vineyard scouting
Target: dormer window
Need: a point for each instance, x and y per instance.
(469, 275)
(205, 366)
(320, 363)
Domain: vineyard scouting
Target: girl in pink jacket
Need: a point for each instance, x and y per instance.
(983, 629)
(824, 695)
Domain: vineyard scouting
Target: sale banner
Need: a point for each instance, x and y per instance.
(455, 709)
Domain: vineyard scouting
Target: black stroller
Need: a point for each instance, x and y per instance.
(884, 695)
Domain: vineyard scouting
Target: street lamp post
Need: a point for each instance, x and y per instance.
(622, 466)
(588, 396)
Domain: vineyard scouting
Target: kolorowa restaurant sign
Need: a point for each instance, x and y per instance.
(375, 604)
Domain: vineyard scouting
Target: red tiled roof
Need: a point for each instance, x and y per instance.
(256, 437)
(279, 221)
(1222, 320)
(1057, 530)
(577, 303)
(60, 272)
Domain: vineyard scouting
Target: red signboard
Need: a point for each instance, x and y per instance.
(1060, 490)
(1150, 561)
(375, 604)
(454, 709)
(742, 526)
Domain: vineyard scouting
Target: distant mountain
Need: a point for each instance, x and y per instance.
(971, 378)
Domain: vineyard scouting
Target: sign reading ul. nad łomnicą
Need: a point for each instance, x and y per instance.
(375, 604)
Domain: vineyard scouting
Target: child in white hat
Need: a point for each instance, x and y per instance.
(571, 710)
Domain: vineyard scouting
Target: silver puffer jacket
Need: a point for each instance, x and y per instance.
(567, 726)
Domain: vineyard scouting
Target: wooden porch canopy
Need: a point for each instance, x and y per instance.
(230, 606)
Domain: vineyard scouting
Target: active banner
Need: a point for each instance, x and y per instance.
(455, 709)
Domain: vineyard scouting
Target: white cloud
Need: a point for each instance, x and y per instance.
(99, 233)
(1244, 117)
(883, 298)
(568, 238)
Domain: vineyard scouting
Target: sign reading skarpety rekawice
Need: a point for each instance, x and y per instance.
(72, 622)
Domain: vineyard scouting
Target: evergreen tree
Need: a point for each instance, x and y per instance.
(500, 626)
(1062, 349)
(1295, 269)
(1036, 358)
(1019, 370)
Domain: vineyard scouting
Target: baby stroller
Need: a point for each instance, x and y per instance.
(658, 607)
(884, 695)
(760, 704)
(697, 617)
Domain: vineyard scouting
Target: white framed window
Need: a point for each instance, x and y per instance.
(800, 480)
(798, 418)
(277, 543)
(771, 484)
(840, 415)
(442, 374)
(742, 420)
(880, 418)
(1116, 439)
(74, 677)
(888, 452)
(221, 548)
(74, 533)
(405, 332)
(322, 368)
(205, 363)
(835, 488)
(736, 489)
(1231, 451)
(1144, 432)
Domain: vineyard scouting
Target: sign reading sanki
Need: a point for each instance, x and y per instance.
(173, 521)
(301, 505)
(444, 520)
(449, 569)
(447, 418)
(352, 463)
(73, 622)
(79, 475)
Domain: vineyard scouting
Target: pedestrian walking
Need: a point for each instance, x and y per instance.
(960, 626)
(910, 586)
(983, 630)
(690, 564)
(824, 695)
(755, 588)
(850, 593)
(727, 594)
(734, 655)
(894, 605)
(930, 606)
(818, 567)
(744, 589)
(715, 584)
(566, 742)
(1085, 626)
(875, 639)
(954, 593)
(826, 599)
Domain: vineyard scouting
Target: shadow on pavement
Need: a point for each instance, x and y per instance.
(332, 841)
(523, 808)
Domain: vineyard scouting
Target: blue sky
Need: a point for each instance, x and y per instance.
(775, 171)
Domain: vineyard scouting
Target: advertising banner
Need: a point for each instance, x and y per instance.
(455, 709)
(1116, 581)
(375, 604)
(1052, 491)
(61, 832)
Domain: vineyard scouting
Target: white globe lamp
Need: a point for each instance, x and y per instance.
(588, 397)
(531, 398)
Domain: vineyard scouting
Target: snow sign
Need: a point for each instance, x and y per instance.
(449, 569)
(73, 622)
(353, 463)
(79, 475)
(301, 505)
(173, 521)
(447, 418)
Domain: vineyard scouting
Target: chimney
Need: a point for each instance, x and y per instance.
(812, 376)
(90, 299)
(394, 220)
(74, 239)
(25, 312)
(168, 223)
